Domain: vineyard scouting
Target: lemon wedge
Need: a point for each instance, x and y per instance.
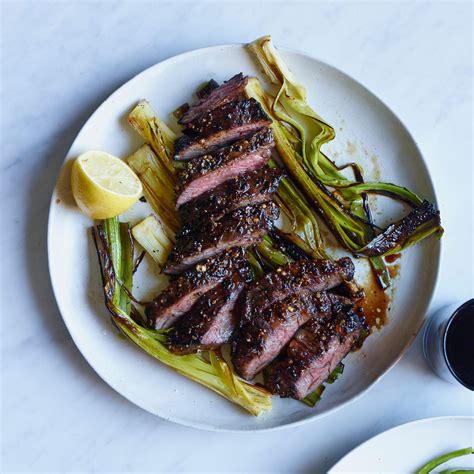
(103, 185)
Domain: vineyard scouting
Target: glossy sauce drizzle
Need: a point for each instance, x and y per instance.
(375, 304)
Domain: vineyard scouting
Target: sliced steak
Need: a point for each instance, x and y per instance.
(215, 97)
(207, 89)
(248, 189)
(350, 290)
(211, 321)
(259, 341)
(290, 244)
(313, 354)
(206, 173)
(181, 294)
(223, 126)
(309, 275)
(241, 228)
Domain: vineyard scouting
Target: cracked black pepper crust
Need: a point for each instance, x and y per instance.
(311, 275)
(313, 353)
(241, 228)
(260, 142)
(233, 121)
(211, 321)
(257, 342)
(213, 96)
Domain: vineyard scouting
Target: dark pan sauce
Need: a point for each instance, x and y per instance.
(393, 270)
(375, 304)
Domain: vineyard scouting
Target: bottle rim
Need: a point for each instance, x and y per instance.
(445, 338)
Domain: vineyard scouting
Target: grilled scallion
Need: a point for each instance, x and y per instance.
(114, 249)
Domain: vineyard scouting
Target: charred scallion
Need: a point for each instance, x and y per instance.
(114, 248)
(158, 188)
(315, 396)
(345, 210)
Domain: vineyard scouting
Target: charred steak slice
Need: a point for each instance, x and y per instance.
(211, 321)
(231, 122)
(257, 342)
(203, 174)
(248, 189)
(309, 275)
(227, 117)
(313, 354)
(350, 290)
(180, 295)
(241, 228)
(215, 97)
(207, 89)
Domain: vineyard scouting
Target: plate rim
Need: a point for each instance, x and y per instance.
(419, 421)
(316, 415)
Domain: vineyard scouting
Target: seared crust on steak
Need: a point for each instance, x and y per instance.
(181, 294)
(258, 341)
(221, 127)
(203, 174)
(314, 353)
(309, 275)
(214, 96)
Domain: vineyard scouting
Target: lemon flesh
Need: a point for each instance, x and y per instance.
(103, 185)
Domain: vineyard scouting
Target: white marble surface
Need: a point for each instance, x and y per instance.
(59, 62)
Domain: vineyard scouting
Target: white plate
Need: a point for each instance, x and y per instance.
(406, 448)
(363, 124)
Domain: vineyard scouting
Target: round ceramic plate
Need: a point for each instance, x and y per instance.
(408, 447)
(367, 131)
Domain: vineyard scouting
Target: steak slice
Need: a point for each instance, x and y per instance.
(309, 275)
(350, 290)
(211, 321)
(248, 189)
(227, 124)
(241, 228)
(215, 97)
(206, 173)
(231, 115)
(259, 341)
(313, 354)
(207, 89)
(181, 294)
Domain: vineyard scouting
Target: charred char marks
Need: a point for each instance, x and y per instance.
(249, 189)
(233, 121)
(232, 115)
(211, 321)
(206, 173)
(259, 341)
(310, 275)
(182, 293)
(287, 246)
(240, 228)
(398, 233)
(215, 96)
